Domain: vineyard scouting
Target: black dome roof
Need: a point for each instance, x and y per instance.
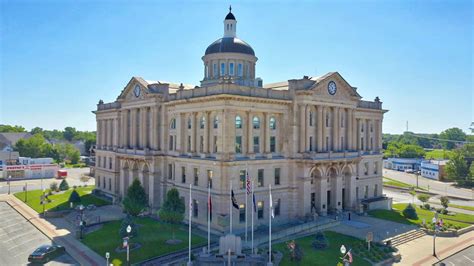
(230, 16)
(230, 45)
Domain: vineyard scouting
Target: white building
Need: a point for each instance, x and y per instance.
(433, 169)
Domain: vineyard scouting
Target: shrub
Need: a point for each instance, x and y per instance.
(444, 211)
(136, 199)
(410, 212)
(74, 197)
(53, 186)
(296, 252)
(320, 241)
(64, 185)
(444, 201)
(427, 206)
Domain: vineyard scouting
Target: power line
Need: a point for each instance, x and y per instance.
(438, 139)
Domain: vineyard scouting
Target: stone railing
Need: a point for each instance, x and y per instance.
(107, 106)
(370, 105)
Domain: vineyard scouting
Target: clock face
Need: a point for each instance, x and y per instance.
(136, 91)
(332, 87)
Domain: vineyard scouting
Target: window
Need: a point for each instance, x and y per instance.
(222, 69)
(214, 70)
(272, 123)
(210, 173)
(103, 183)
(98, 181)
(216, 122)
(110, 163)
(366, 168)
(231, 69)
(327, 143)
(196, 176)
(310, 118)
(170, 171)
(207, 71)
(327, 120)
(366, 193)
(202, 122)
(361, 128)
(371, 128)
(238, 144)
(256, 122)
(260, 178)
(195, 208)
(342, 143)
(272, 144)
(242, 213)
(173, 124)
(242, 179)
(375, 190)
(189, 143)
(189, 123)
(361, 143)
(171, 143)
(342, 120)
(260, 210)
(357, 193)
(201, 144)
(215, 144)
(311, 143)
(239, 70)
(371, 143)
(110, 184)
(277, 176)
(183, 174)
(256, 145)
(238, 122)
(276, 211)
(376, 167)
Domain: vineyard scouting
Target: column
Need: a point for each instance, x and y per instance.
(116, 133)
(266, 132)
(358, 134)
(306, 127)
(379, 135)
(248, 132)
(302, 127)
(324, 129)
(305, 196)
(367, 134)
(349, 129)
(109, 133)
(337, 127)
(355, 133)
(97, 134)
(336, 192)
(104, 133)
(351, 191)
(321, 195)
(153, 129)
(162, 127)
(133, 124)
(207, 115)
(319, 128)
(193, 132)
(144, 127)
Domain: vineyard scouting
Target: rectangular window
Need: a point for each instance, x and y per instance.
(110, 184)
(260, 178)
(171, 143)
(196, 176)
(183, 174)
(170, 171)
(361, 143)
(342, 143)
(327, 143)
(277, 176)
(222, 69)
(260, 210)
(195, 208)
(375, 190)
(376, 166)
(366, 168)
(231, 69)
(242, 213)
(201, 144)
(214, 72)
(277, 208)
(272, 144)
(242, 179)
(110, 163)
(256, 145)
(189, 143)
(239, 70)
(366, 193)
(238, 144)
(209, 177)
(215, 144)
(310, 143)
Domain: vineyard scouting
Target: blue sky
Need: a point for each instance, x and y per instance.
(58, 58)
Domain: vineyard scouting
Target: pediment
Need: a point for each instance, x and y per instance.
(343, 92)
(136, 89)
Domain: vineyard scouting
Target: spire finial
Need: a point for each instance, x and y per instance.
(230, 8)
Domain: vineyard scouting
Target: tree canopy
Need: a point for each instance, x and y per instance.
(136, 199)
(173, 208)
(11, 129)
(452, 134)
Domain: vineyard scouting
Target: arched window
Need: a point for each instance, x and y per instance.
(202, 122)
(272, 123)
(238, 122)
(173, 124)
(216, 121)
(256, 122)
(189, 123)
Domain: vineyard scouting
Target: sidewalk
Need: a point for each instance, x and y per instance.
(420, 251)
(74, 247)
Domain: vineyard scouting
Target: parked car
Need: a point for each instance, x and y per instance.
(91, 207)
(46, 253)
(409, 171)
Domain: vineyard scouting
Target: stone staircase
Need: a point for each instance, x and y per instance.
(405, 237)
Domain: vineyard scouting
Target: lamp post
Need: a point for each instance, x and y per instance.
(43, 198)
(107, 256)
(436, 229)
(417, 173)
(81, 224)
(129, 229)
(9, 179)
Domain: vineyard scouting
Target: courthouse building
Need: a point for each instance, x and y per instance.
(313, 139)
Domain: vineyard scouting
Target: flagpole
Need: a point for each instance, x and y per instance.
(252, 210)
(270, 227)
(189, 229)
(209, 219)
(230, 206)
(246, 201)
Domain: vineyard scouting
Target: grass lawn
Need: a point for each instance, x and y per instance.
(330, 255)
(396, 215)
(469, 208)
(438, 154)
(151, 235)
(59, 201)
(396, 183)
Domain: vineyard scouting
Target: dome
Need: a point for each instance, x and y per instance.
(230, 16)
(230, 45)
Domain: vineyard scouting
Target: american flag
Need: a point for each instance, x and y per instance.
(247, 177)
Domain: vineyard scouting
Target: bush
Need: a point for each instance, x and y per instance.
(53, 186)
(74, 197)
(444, 211)
(423, 197)
(296, 252)
(64, 185)
(136, 199)
(320, 241)
(444, 201)
(410, 212)
(427, 206)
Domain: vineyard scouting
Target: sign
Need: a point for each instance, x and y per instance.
(125, 242)
(343, 249)
(370, 236)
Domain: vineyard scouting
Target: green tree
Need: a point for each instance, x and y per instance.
(455, 134)
(53, 186)
(424, 197)
(36, 130)
(11, 129)
(74, 197)
(34, 147)
(173, 208)
(392, 150)
(67, 151)
(456, 168)
(136, 199)
(411, 151)
(63, 185)
(444, 200)
(410, 212)
(69, 133)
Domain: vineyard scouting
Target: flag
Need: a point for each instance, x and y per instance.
(209, 204)
(234, 201)
(254, 204)
(271, 205)
(248, 181)
(349, 254)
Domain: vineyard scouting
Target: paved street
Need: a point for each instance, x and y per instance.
(73, 179)
(441, 188)
(462, 258)
(18, 238)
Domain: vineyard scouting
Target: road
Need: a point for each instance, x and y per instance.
(19, 238)
(438, 187)
(464, 257)
(73, 178)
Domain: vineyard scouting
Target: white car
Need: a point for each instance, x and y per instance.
(410, 171)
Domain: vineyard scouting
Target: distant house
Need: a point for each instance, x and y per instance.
(434, 169)
(402, 164)
(78, 144)
(8, 140)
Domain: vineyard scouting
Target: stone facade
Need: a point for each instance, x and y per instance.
(319, 148)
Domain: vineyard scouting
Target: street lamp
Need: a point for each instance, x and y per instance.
(129, 229)
(9, 178)
(107, 256)
(81, 224)
(43, 198)
(417, 173)
(436, 230)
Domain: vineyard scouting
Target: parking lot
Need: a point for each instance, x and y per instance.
(464, 257)
(19, 238)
